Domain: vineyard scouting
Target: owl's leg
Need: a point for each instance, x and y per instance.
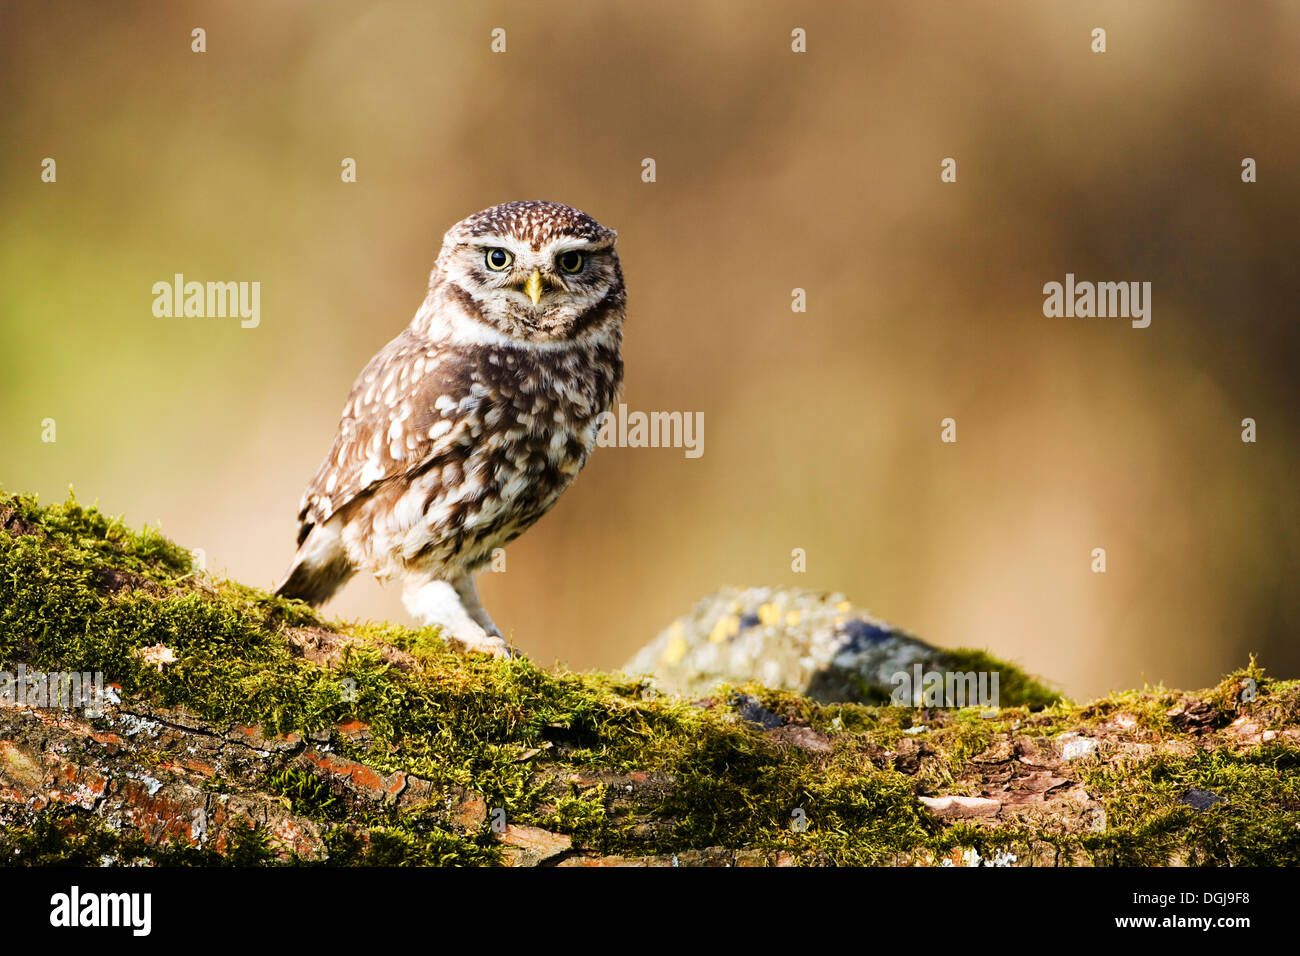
(433, 601)
(468, 591)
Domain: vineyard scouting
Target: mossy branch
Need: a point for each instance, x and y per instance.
(243, 728)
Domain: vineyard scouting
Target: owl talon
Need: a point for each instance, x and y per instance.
(494, 647)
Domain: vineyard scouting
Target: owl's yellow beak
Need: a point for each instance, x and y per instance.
(534, 287)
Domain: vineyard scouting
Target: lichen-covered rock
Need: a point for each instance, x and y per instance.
(813, 643)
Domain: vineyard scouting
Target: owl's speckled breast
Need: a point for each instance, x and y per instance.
(525, 421)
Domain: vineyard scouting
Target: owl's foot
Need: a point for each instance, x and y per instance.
(455, 609)
(492, 645)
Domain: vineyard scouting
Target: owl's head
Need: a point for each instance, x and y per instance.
(532, 271)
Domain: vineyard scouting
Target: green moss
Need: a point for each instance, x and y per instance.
(79, 591)
(408, 846)
(307, 794)
(1256, 821)
(64, 836)
(1015, 687)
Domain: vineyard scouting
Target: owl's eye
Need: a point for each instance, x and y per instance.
(570, 261)
(498, 260)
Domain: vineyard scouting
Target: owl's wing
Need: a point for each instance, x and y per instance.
(406, 413)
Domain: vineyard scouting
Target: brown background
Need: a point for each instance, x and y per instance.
(775, 170)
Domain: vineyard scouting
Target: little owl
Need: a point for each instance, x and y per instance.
(465, 428)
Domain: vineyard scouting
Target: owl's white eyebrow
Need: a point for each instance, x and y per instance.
(509, 243)
(585, 245)
(521, 249)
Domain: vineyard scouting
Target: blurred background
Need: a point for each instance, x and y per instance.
(775, 170)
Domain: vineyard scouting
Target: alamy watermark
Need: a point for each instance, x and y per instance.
(944, 688)
(624, 429)
(133, 911)
(208, 300)
(1102, 300)
(55, 690)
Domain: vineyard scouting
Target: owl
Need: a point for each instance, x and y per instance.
(464, 429)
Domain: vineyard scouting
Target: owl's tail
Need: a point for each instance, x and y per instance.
(320, 567)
